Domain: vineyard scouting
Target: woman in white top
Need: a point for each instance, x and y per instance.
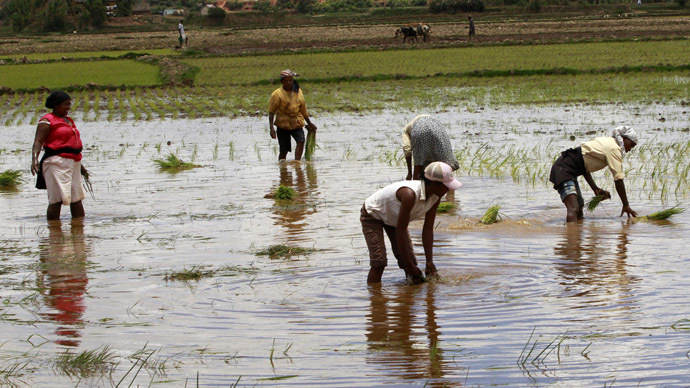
(392, 208)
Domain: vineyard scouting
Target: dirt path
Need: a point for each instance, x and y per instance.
(237, 41)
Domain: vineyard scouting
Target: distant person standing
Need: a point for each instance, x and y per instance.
(287, 112)
(472, 31)
(183, 37)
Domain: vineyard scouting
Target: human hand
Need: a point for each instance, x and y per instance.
(603, 193)
(35, 165)
(273, 133)
(409, 176)
(415, 275)
(430, 270)
(629, 211)
(311, 127)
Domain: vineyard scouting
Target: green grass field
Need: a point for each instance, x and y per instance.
(63, 74)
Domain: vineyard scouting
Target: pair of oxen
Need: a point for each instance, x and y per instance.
(414, 30)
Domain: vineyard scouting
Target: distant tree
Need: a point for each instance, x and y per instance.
(216, 15)
(21, 12)
(124, 7)
(305, 6)
(96, 11)
(55, 16)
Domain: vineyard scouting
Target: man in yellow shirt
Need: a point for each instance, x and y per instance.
(593, 156)
(287, 112)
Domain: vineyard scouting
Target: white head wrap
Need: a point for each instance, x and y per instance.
(619, 132)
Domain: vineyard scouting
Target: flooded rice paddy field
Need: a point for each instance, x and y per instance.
(525, 302)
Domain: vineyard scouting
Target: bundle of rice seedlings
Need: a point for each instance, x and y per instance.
(172, 162)
(310, 147)
(594, 202)
(662, 215)
(86, 177)
(491, 215)
(445, 207)
(10, 178)
(284, 251)
(284, 192)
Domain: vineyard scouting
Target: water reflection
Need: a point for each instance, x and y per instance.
(63, 279)
(292, 214)
(593, 266)
(403, 337)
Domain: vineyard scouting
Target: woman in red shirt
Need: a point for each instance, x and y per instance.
(59, 170)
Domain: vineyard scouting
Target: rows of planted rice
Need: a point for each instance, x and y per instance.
(469, 93)
(332, 65)
(64, 74)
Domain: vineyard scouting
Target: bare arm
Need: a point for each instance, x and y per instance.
(406, 196)
(42, 131)
(428, 239)
(408, 162)
(620, 189)
(595, 188)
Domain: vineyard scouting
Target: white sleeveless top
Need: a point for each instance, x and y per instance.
(383, 204)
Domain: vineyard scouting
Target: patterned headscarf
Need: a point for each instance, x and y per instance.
(624, 131)
(290, 73)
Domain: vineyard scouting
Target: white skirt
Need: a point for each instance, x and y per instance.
(63, 180)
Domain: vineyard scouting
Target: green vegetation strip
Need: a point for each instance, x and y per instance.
(63, 74)
(484, 61)
(10, 178)
(89, 55)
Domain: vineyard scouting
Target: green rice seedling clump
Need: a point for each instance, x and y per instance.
(10, 178)
(172, 162)
(445, 207)
(662, 215)
(285, 192)
(310, 147)
(284, 251)
(491, 215)
(594, 202)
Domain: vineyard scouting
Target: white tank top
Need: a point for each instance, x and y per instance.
(383, 204)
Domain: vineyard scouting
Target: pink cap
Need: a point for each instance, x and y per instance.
(441, 172)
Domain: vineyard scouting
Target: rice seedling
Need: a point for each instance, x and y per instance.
(280, 251)
(187, 274)
(231, 150)
(10, 178)
(594, 202)
(662, 215)
(491, 215)
(173, 163)
(310, 147)
(87, 363)
(445, 207)
(284, 192)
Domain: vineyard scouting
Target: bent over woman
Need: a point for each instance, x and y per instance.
(59, 170)
(425, 140)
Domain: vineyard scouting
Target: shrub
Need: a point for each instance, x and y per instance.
(534, 6)
(235, 5)
(305, 6)
(216, 15)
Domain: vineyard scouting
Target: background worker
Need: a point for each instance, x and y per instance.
(589, 157)
(391, 209)
(287, 111)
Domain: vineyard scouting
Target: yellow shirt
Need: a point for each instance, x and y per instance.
(407, 136)
(602, 152)
(289, 108)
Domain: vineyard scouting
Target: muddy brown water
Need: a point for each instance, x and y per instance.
(525, 302)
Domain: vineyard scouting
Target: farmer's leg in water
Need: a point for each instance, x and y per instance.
(298, 135)
(373, 235)
(53, 212)
(77, 209)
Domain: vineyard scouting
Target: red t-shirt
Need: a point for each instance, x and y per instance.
(63, 133)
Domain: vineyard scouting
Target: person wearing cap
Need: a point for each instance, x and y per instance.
(589, 157)
(425, 139)
(59, 170)
(287, 115)
(391, 209)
